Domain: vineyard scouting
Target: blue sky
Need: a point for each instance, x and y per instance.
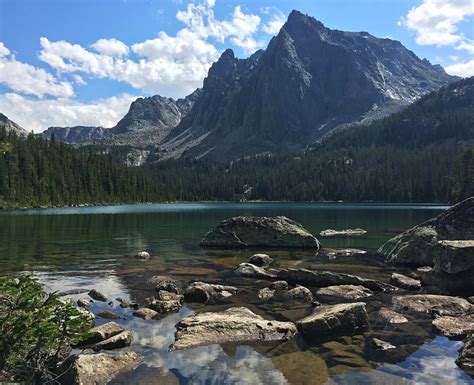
(70, 62)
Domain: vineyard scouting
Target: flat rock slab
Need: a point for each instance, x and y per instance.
(236, 324)
(405, 282)
(146, 313)
(243, 232)
(389, 316)
(351, 292)
(427, 303)
(329, 321)
(322, 278)
(93, 369)
(345, 233)
(108, 336)
(453, 327)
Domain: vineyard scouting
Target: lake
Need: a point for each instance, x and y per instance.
(93, 247)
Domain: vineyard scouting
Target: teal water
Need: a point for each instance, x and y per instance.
(92, 247)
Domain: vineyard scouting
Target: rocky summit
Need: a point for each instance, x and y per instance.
(309, 81)
(10, 126)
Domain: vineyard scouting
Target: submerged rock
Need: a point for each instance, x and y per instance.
(466, 356)
(241, 232)
(84, 303)
(351, 292)
(97, 295)
(236, 324)
(108, 315)
(346, 233)
(94, 369)
(203, 292)
(453, 327)
(382, 345)
(427, 303)
(405, 282)
(261, 260)
(418, 245)
(73, 292)
(303, 368)
(321, 278)
(252, 271)
(329, 321)
(279, 285)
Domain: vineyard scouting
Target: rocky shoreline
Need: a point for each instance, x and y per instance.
(335, 301)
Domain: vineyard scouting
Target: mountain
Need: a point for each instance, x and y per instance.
(441, 116)
(308, 81)
(146, 123)
(11, 126)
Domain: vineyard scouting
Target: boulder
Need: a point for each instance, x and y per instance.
(266, 293)
(453, 327)
(252, 271)
(455, 256)
(418, 245)
(168, 286)
(164, 302)
(97, 295)
(345, 233)
(381, 345)
(107, 336)
(146, 313)
(298, 293)
(84, 303)
(203, 292)
(386, 315)
(332, 320)
(351, 292)
(237, 324)
(321, 278)
(108, 315)
(242, 232)
(261, 260)
(466, 356)
(405, 282)
(427, 303)
(93, 369)
(142, 256)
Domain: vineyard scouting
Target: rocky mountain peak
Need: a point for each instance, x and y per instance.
(11, 126)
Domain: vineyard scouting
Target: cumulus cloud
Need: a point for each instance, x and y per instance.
(168, 65)
(27, 79)
(436, 22)
(464, 70)
(37, 115)
(110, 47)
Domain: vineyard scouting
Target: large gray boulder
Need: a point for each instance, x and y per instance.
(242, 232)
(94, 369)
(236, 324)
(419, 245)
(329, 321)
(322, 278)
(203, 291)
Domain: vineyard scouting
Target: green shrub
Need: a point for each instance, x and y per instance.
(36, 329)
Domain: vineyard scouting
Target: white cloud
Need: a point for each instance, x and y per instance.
(464, 70)
(110, 47)
(167, 65)
(435, 22)
(37, 115)
(27, 79)
(278, 18)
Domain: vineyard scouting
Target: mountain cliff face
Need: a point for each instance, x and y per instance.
(308, 81)
(11, 126)
(76, 134)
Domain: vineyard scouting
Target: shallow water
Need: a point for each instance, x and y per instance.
(91, 247)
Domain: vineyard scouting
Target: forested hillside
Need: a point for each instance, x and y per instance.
(36, 172)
